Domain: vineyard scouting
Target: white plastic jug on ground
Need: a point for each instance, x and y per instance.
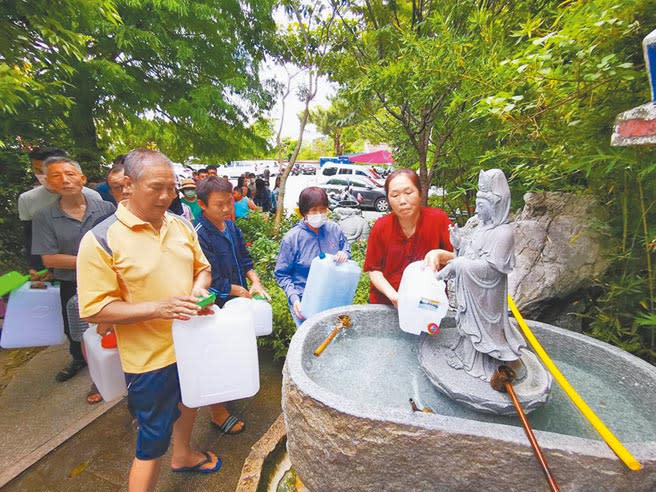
(104, 366)
(261, 310)
(422, 300)
(33, 318)
(329, 285)
(217, 357)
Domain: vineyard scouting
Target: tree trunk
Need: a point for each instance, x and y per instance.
(282, 115)
(423, 178)
(337, 141)
(280, 208)
(80, 117)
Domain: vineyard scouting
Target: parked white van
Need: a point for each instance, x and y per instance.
(337, 170)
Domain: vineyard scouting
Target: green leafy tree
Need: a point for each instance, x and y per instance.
(318, 147)
(40, 42)
(98, 78)
(335, 122)
(416, 71)
(188, 65)
(550, 112)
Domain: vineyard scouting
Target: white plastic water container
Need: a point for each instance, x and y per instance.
(33, 318)
(217, 357)
(104, 366)
(422, 300)
(329, 285)
(261, 310)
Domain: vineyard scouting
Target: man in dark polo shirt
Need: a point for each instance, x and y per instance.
(56, 234)
(30, 202)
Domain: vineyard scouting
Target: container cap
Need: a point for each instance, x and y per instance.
(207, 301)
(322, 255)
(108, 341)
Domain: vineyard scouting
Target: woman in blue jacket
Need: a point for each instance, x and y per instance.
(313, 235)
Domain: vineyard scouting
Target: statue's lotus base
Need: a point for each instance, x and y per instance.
(532, 391)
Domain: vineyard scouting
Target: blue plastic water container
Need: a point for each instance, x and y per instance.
(329, 285)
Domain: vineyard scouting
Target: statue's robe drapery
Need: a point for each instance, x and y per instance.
(481, 269)
(481, 279)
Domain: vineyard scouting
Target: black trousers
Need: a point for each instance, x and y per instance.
(67, 289)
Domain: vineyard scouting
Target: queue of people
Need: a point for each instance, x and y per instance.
(121, 258)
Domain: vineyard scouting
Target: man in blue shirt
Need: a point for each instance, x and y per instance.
(225, 249)
(111, 190)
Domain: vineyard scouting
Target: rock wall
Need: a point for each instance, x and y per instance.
(561, 247)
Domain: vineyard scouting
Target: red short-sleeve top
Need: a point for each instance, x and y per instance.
(390, 251)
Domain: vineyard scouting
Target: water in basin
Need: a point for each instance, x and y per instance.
(384, 372)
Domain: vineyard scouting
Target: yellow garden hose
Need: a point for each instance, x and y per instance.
(612, 441)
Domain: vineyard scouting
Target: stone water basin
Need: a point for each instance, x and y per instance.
(350, 425)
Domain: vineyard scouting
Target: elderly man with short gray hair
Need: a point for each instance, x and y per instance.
(140, 269)
(56, 234)
(31, 201)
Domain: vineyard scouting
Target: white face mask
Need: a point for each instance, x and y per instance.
(316, 220)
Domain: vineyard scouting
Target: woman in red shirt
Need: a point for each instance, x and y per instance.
(410, 233)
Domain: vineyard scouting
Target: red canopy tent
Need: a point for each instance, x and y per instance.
(377, 157)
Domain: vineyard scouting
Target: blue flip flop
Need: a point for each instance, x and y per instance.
(198, 468)
(228, 424)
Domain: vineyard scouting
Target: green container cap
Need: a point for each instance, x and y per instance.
(207, 301)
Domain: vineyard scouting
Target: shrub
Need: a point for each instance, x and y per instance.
(263, 247)
(14, 179)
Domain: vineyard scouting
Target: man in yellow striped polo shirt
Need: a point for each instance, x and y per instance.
(140, 269)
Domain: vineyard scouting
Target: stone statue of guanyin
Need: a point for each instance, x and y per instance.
(481, 267)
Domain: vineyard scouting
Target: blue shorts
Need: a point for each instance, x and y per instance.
(153, 399)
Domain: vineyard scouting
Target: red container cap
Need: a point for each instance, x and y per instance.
(109, 340)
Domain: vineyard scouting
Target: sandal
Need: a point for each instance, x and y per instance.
(198, 468)
(93, 396)
(228, 424)
(70, 370)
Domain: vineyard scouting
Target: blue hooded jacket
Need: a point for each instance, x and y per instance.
(297, 250)
(227, 254)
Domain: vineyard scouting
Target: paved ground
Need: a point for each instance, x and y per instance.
(36, 412)
(98, 457)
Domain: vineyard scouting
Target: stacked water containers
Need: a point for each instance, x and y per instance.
(329, 284)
